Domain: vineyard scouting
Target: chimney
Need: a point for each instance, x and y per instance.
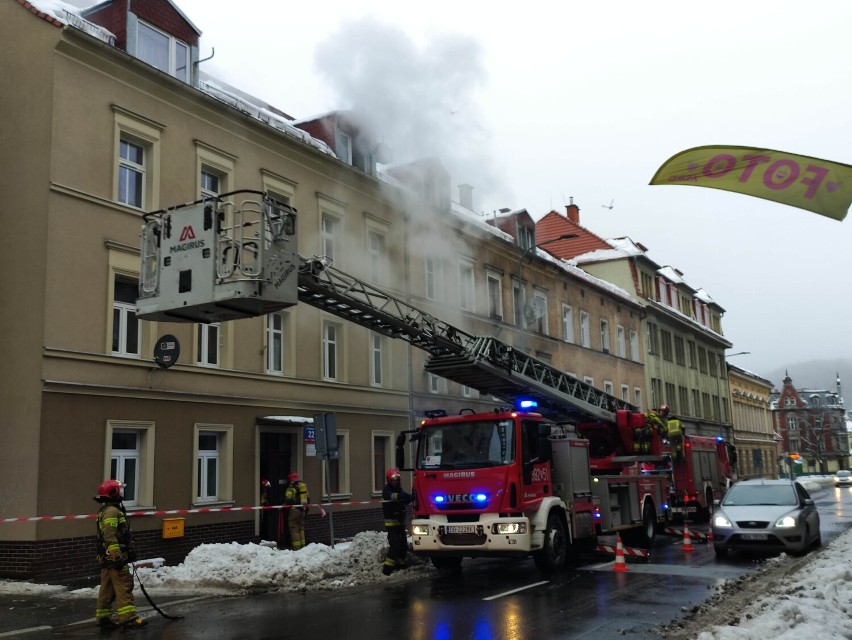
(466, 196)
(573, 212)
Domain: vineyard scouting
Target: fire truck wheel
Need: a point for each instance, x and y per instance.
(645, 535)
(702, 515)
(552, 556)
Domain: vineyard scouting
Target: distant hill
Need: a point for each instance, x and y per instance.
(815, 374)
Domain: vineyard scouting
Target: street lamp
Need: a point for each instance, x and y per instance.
(719, 387)
(522, 319)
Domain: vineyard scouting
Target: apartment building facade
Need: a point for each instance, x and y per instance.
(757, 443)
(85, 399)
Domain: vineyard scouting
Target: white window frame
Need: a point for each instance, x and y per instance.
(332, 350)
(276, 343)
(604, 324)
(585, 330)
(467, 284)
(567, 323)
(634, 345)
(637, 397)
(225, 456)
(433, 269)
(435, 384)
(377, 255)
(377, 359)
(145, 467)
(204, 334)
(625, 392)
(518, 303)
(589, 380)
(342, 462)
(329, 226)
(204, 459)
(124, 313)
(128, 167)
(541, 323)
(138, 129)
(215, 162)
(494, 288)
(608, 387)
(620, 344)
(174, 65)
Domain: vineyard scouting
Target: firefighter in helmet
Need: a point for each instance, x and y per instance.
(675, 431)
(115, 550)
(296, 499)
(394, 501)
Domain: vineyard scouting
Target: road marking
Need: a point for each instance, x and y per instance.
(508, 593)
(17, 632)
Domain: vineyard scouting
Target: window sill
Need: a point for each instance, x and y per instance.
(337, 497)
(212, 504)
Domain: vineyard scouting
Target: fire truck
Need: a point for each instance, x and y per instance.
(543, 476)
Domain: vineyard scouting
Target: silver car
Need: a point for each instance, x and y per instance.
(766, 515)
(843, 478)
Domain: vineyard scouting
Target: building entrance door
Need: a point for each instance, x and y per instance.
(276, 460)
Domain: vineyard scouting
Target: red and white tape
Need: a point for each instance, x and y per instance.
(179, 512)
(628, 551)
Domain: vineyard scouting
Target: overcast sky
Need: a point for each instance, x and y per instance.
(538, 103)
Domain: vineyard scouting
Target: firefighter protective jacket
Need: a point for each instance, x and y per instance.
(296, 494)
(114, 537)
(394, 500)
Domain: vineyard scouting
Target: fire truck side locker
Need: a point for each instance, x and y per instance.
(572, 481)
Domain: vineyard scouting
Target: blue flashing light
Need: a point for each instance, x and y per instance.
(480, 497)
(597, 515)
(720, 438)
(527, 404)
(439, 499)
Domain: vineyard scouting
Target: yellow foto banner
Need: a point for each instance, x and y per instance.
(799, 181)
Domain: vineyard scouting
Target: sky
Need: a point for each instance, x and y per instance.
(543, 104)
(813, 603)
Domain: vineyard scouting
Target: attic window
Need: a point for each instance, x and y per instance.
(526, 238)
(344, 147)
(163, 51)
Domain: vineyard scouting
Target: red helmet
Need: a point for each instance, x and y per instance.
(664, 409)
(293, 476)
(392, 474)
(110, 490)
(265, 484)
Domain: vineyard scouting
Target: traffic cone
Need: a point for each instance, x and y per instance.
(620, 564)
(687, 541)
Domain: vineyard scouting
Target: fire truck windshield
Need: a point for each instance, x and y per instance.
(466, 445)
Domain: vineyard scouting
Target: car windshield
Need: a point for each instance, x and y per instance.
(743, 495)
(844, 474)
(466, 445)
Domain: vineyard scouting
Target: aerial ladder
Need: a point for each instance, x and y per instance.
(235, 256)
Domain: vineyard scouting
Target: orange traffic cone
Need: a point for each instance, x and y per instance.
(687, 541)
(620, 564)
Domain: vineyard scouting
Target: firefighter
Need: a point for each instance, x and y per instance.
(394, 500)
(296, 498)
(266, 516)
(675, 432)
(115, 550)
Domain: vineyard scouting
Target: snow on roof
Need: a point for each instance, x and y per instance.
(289, 419)
(68, 14)
(672, 275)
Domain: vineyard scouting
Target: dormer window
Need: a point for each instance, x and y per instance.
(344, 147)
(526, 238)
(163, 51)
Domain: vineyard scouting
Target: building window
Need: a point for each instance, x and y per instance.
(434, 278)
(130, 459)
(637, 397)
(330, 350)
(683, 400)
(210, 184)
(634, 345)
(792, 423)
(540, 312)
(124, 462)
(589, 380)
(620, 344)
(495, 296)
(382, 458)
(376, 359)
(702, 359)
(625, 392)
(136, 182)
(608, 388)
(604, 335)
(163, 51)
(585, 331)
(213, 463)
(468, 392)
(666, 342)
(131, 173)
(207, 345)
(377, 256)
(518, 302)
(328, 237)
(338, 468)
(126, 332)
(691, 359)
(526, 238)
(680, 351)
(344, 147)
(466, 286)
(207, 476)
(567, 323)
(435, 384)
(653, 338)
(275, 326)
(648, 286)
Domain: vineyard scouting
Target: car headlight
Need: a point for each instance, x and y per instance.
(786, 522)
(720, 520)
(420, 530)
(510, 527)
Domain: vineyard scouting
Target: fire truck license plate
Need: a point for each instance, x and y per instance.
(461, 528)
(753, 536)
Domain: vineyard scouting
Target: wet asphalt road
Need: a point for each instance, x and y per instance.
(489, 600)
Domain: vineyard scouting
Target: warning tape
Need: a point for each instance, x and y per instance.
(694, 535)
(178, 512)
(628, 551)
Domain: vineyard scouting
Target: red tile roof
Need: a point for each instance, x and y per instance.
(554, 224)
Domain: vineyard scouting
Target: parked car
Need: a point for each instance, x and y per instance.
(766, 515)
(843, 478)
